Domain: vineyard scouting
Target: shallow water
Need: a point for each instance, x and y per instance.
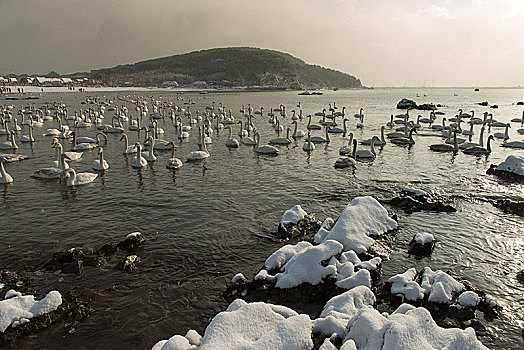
(208, 221)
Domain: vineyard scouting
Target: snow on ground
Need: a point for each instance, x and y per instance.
(340, 309)
(513, 164)
(406, 328)
(362, 219)
(18, 309)
(293, 215)
(248, 326)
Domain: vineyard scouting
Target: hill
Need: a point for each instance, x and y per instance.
(235, 66)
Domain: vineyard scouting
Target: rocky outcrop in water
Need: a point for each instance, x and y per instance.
(422, 244)
(72, 309)
(513, 177)
(304, 228)
(411, 201)
(410, 104)
(73, 260)
(507, 205)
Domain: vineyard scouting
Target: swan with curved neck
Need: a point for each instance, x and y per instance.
(346, 149)
(265, 149)
(308, 145)
(366, 154)
(444, 147)
(138, 161)
(339, 130)
(200, 154)
(100, 163)
(150, 156)
(30, 138)
(9, 144)
(127, 149)
(5, 178)
(480, 150)
(173, 162)
(346, 162)
(231, 142)
(312, 126)
(74, 179)
(405, 140)
(319, 139)
(297, 133)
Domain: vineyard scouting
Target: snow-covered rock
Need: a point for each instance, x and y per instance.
(282, 255)
(306, 267)
(238, 278)
(423, 238)
(293, 215)
(406, 328)
(468, 299)
(340, 309)
(440, 286)
(405, 284)
(512, 164)
(361, 220)
(248, 326)
(19, 309)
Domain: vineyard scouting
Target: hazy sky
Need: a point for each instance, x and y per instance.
(382, 42)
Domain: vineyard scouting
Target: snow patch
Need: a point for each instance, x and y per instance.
(423, 238)
(282, 255)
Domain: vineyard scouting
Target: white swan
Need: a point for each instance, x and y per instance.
(513, 144)
(70, 155)
(503, 135)
(231, 142)
(127, 149)
(150, 156)
(9, 144)
(519, 120)
(265, 149)
(308, 145)
(312, 126)
(319, 139)
(480, 150)
(297, 133)
(346, 149)
(53, 172)
(198, 155)
(474, 144)
(54, 132)
(380, 142)
(5, 178)
(339, 130)
(281, 140)
(249, 141)
(173, 162)
(444, 147)
(138, 161)
(346, 162)
(100, 164)
(365, 154)
(30, 138)
(74, 179)
(405, 140)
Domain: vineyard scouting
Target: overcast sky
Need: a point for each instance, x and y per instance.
(381, 42)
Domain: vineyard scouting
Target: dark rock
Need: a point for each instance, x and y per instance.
(494, 106)
(520, 276)
(485, 103)
(520, 103)
(427, 107)
(513, 177)
(514, 207)
(304, 228)
(406, 104)
(410, 205)
(418, 249)
(129, 263)
(73, 260)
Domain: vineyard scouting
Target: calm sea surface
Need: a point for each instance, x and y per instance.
(208, 221)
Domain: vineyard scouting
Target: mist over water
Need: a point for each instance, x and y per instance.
(209, 221)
